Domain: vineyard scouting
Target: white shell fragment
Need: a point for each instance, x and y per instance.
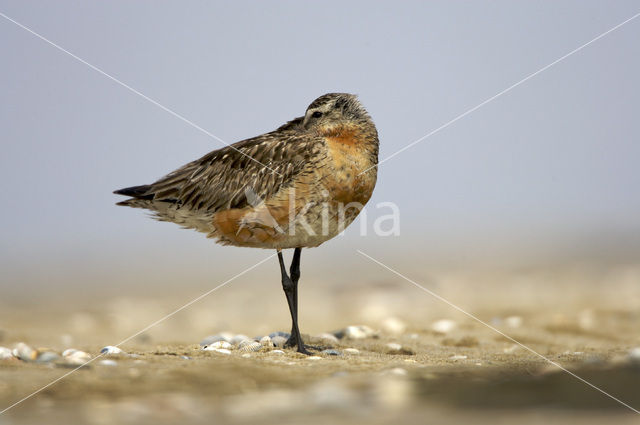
(219, 345)
(277, 352)
(76, 357)
(393, 325)
(358, 332)
(265, 341)
(108, 362)
(214, 338)
(351, 351)
(327, 338)
(394, 347)
(221, 351)
(5, 353)
(24, 352)
(111, 349)
(443, 326)
(458, 357)
(513, 321)
(248, 346)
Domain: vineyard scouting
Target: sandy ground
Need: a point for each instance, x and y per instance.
(586, 320)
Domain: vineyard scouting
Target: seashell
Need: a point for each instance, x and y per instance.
(237, 339)
(246, 355)
(108, 362)
(332, 352)
(457, 357)
(278, 341)
(394, 346)
(634, 355)
(313, 358)
(277, 352)
(214, 338)
(221, 351)
(185, 357)
(394, 325)
(513, 321)
(351, 351)
(358, 332)
(24, 352)
(76, 357)
(5, 353)
(111, 349)
(265, 341)
(443, 326)
(327, 338)
(219, 345)
(398, 371)
(248, 346)
(47, 356)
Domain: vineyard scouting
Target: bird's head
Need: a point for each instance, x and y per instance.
(335, 109)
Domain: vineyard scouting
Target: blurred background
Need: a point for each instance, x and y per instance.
(527, 207)
(544, 176)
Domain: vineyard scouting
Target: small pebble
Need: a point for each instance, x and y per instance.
(394, 325)
(327, 338)
(265, 341)
(213, 338)
(314, 358)
(24, 352)
(111, 349)
(47, 356)
(394, 346)
(108, 362)
(443, 326)
(513, 321)
(358, 332)
(398, 371)
(5, 353)
(278, 341)
(277, 352)
(76, 357)
(457, 357)
(351, 351)
(246, 355)
(634, 354)
(218, 345)
(332, 352)
(185, 357)
(249, 345)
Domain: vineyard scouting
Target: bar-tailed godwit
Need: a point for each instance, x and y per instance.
(295, 187)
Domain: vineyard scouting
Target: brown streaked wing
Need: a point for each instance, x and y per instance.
(218, 180)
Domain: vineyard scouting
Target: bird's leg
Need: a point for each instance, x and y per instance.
(294, 272)
(289, 290)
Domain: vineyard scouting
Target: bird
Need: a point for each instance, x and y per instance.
(292, 188)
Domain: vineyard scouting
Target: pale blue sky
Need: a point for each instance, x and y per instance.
(553, 162)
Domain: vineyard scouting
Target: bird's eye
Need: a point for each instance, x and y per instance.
(316, 114)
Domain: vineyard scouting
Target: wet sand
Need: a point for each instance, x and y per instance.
(444, 374)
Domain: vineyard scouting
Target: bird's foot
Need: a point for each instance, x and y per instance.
(292, 342)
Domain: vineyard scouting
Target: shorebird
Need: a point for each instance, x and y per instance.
(295, 187)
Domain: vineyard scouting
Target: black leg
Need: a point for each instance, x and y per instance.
(294, 272)
(290, 291)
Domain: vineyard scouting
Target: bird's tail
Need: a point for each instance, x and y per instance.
(137, 193)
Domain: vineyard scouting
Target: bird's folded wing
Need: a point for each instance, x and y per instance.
(238, 175)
